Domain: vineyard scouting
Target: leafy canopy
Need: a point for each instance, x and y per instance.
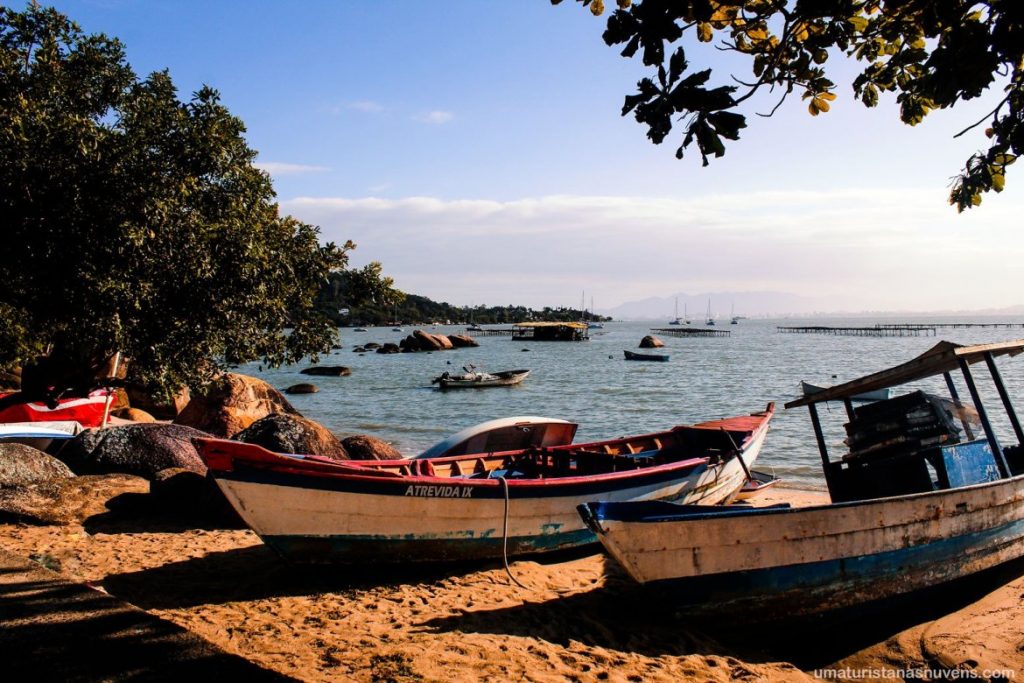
(135, 222)
(930, 53)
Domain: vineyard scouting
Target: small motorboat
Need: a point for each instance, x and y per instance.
(658, 357)
(39, 435)
(476, 379)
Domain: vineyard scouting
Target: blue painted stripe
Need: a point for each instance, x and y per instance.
(394, 486)
(410, 548)
(830, 584)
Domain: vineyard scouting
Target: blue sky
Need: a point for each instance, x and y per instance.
(475, 148)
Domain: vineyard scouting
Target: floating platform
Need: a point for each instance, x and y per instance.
(875, 331)
(690, 332)
(954, 325)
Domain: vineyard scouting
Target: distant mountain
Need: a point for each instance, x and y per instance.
(722, 306)
(770, 304)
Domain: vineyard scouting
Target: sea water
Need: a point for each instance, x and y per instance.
(590, 383)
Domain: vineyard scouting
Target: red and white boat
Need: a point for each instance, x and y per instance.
(477, 505)
(87, 411)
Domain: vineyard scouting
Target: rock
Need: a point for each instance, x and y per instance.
(303, 388)
(22, 465)
(71, 500)
(139, 449)
(359, 349)
(389, 348)
(120, 400)
(327, 371)
(651, 342)
(10, 379)
(461, 341)
(371, 345)
(365, 447)
(160, 407)
(232, 403)
(293, 434)
(133, 414)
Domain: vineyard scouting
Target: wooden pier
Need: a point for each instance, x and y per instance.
(875, 331)
(690, 332)
(953, 325)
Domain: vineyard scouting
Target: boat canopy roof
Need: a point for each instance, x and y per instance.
(578, 326)
(942, 358)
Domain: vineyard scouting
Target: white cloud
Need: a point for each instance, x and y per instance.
(435, 117)
(368, 106)
(868, 248)
(278, 168)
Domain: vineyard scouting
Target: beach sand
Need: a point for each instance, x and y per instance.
(578, 618)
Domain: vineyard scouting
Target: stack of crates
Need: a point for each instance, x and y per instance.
(900, 426)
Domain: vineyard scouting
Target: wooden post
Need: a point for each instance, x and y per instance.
(993, 441)
(959, 404)
(1005, 397)
(822, 446)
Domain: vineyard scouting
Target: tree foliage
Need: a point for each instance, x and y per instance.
(136, 222)
(931, 53)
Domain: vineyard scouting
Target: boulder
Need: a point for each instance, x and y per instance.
(160, 407)
(388, 348)
(424, 341)
(120, 400)
(139, 449)
(651, 342)
(302, 388)
(371, 345)
(22, 465)
(365, 447)
(461, 341)
(327, 371)
(10, 379)
(70, 500)
(231, 403)
(133, 415)
(359, 349)
(293, 434)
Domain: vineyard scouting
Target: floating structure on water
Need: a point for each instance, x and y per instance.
(876, 331)
(549, 331)
(690, 332)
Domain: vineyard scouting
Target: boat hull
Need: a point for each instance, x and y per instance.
(791, 562)
(355, 519)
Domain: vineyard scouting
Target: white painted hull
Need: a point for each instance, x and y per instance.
(439, 520)
(822, 557)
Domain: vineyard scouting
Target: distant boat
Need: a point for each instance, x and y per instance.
(359, 329)
(632, 355)
(677, 320)
(709, 320)
(475, 379)
(735, 318)
(474, 328)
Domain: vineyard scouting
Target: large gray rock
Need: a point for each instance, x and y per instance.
(139, 449)
(293, 434)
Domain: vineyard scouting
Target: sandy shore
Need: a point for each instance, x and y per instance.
(578, 619)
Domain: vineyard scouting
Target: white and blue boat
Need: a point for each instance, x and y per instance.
(477, 505)
(913, 506)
